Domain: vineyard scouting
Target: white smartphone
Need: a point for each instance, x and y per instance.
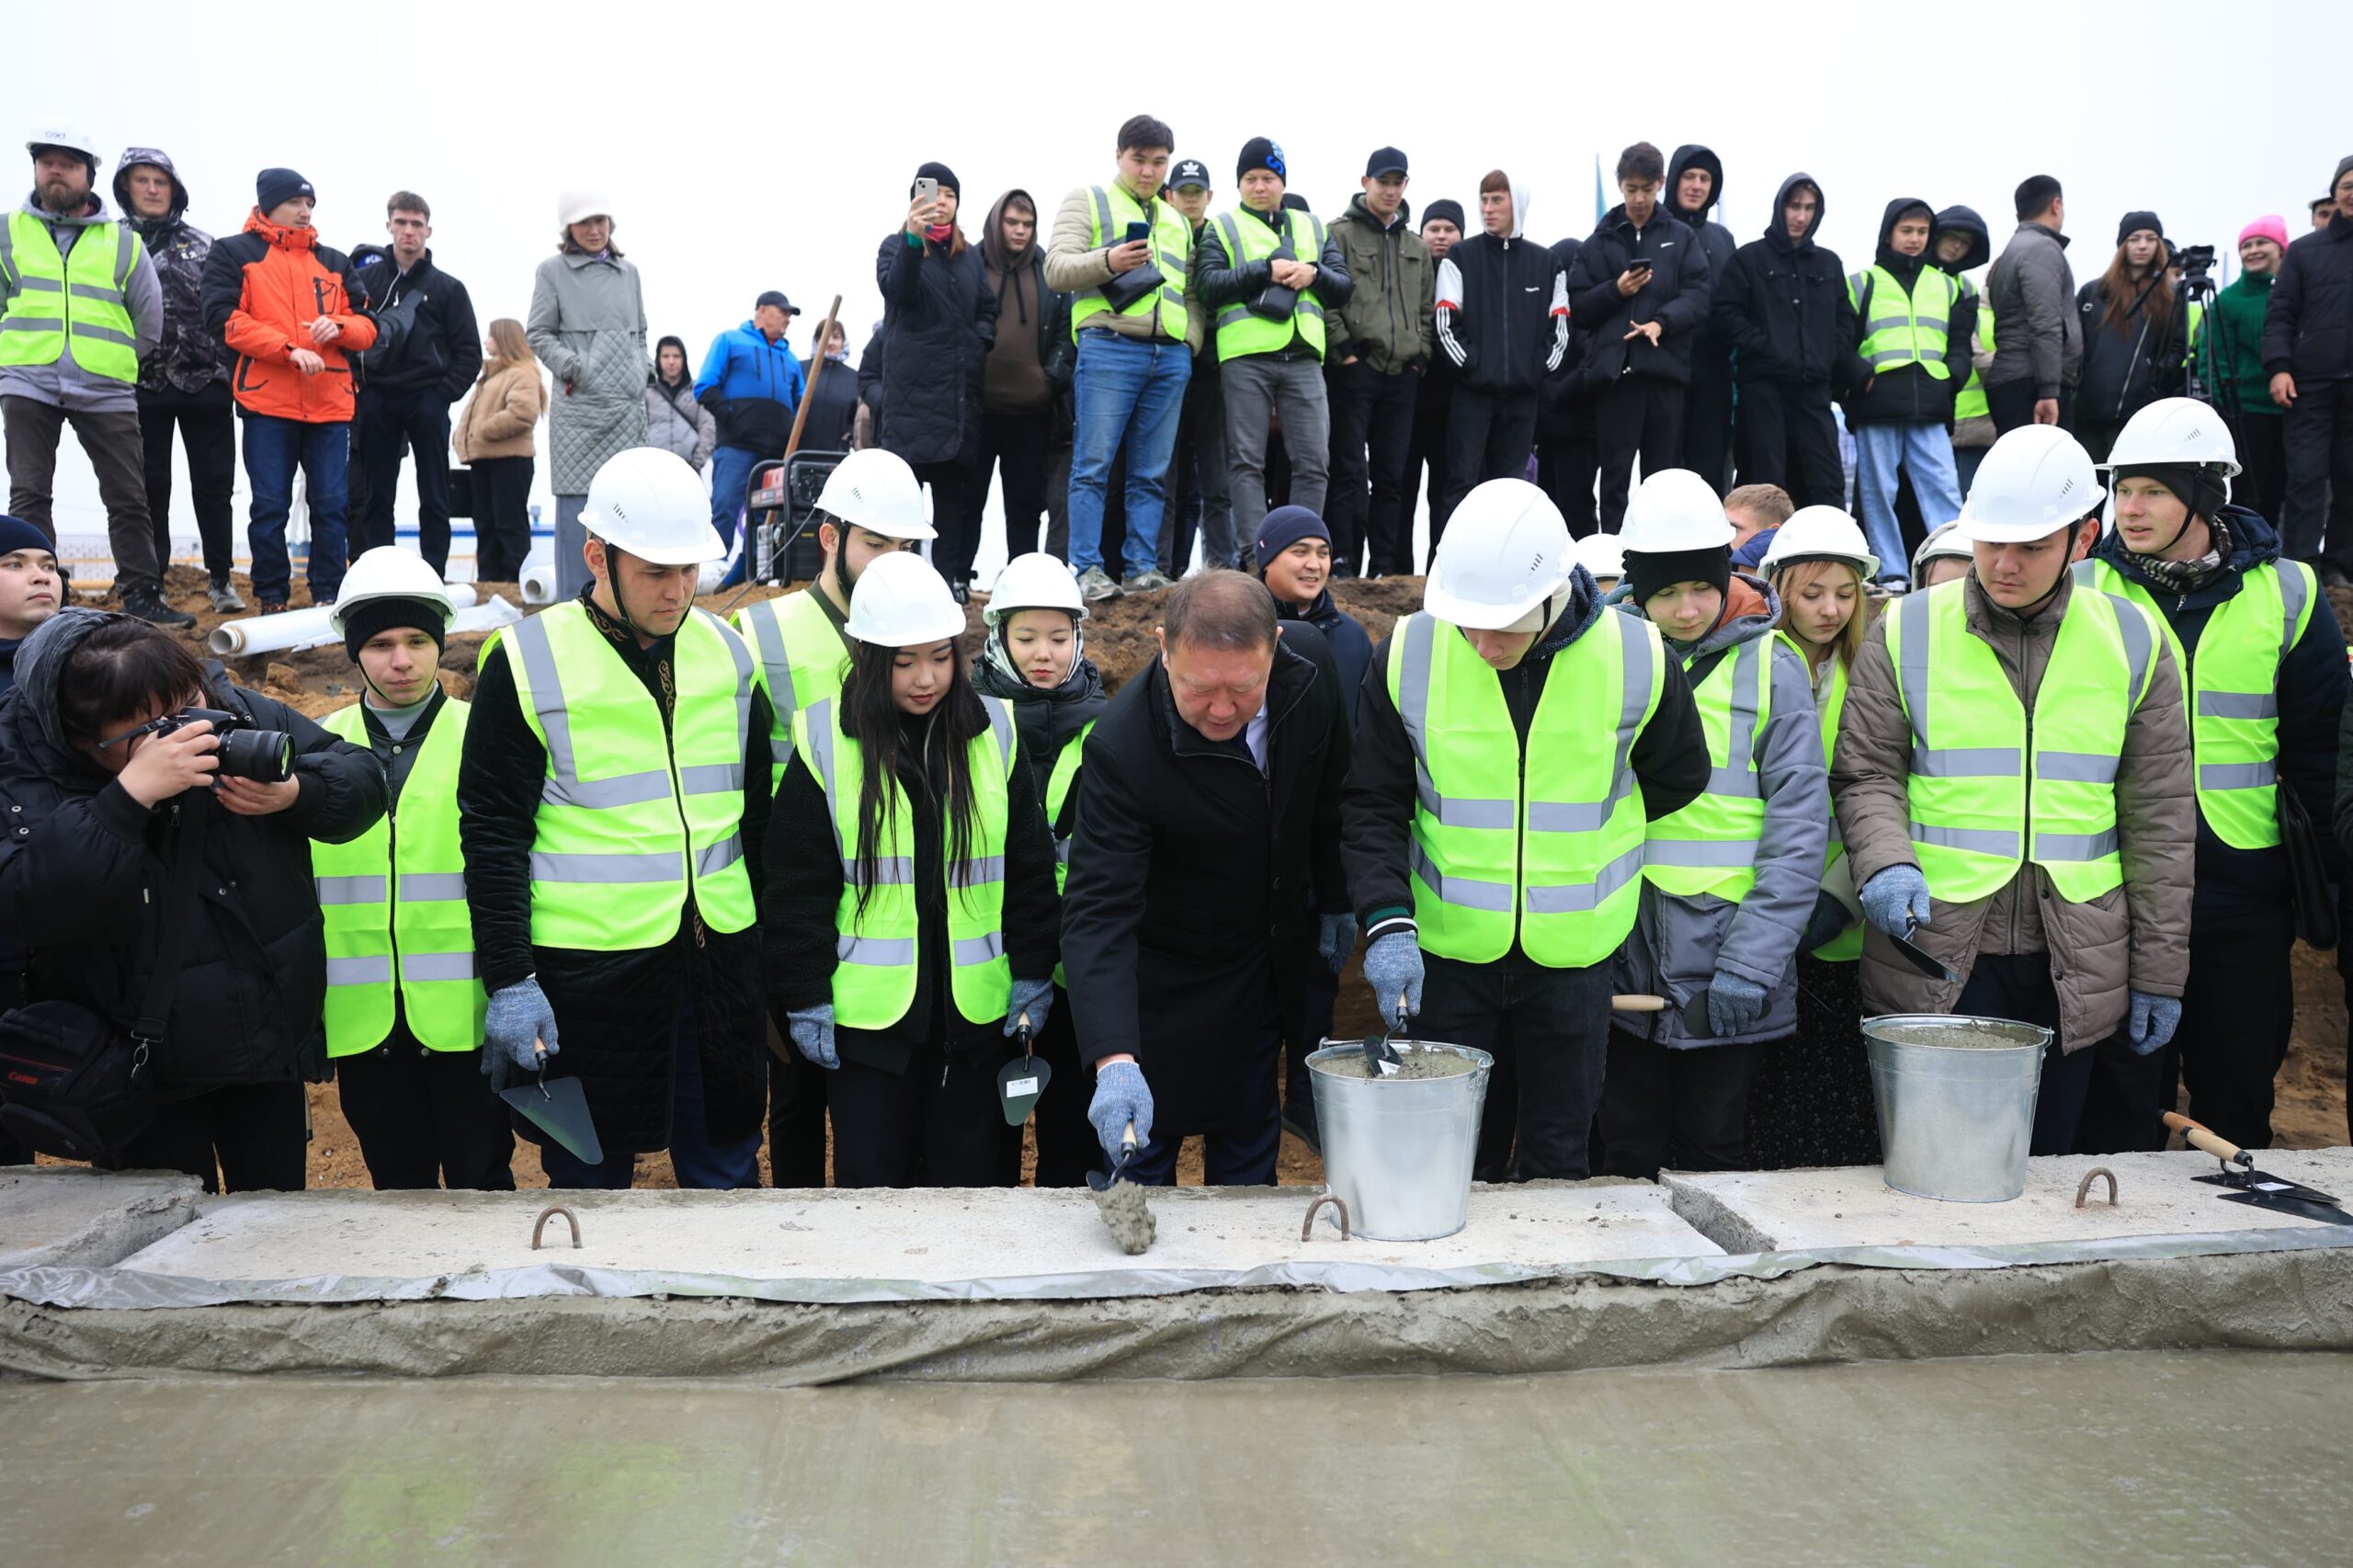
(928, 190)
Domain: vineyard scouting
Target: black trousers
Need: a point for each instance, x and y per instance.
(1665, 1109)
(1425, 453)
(957, 517)
(502, 517)
(1015, 446)
(391, 425)
(1372, 433)
(1488, 436)
(1708, 420)
(207, 421)
(426, 1119)
(2238, 1008)
(1787, 437)
(1547, 1029)
(1634, 416)
(1067, 1149)
(2262, 443)
(796, 1118)
(1566, 469)
(937, 1124)
(1245, 1151)
(2017, 986)
(2012, 404)
(246, 1138)
(2318, 524)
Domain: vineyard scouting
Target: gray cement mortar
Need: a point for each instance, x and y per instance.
(67, 1217)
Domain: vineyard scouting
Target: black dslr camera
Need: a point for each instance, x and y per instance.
(265, 756)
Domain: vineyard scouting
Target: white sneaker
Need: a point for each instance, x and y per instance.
(224, 597)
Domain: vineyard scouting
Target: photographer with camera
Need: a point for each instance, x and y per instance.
(156, 860)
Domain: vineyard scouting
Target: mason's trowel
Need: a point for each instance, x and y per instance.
(559, 1110)
(2260, 1189)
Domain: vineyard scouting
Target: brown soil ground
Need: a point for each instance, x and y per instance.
(2312, 1086)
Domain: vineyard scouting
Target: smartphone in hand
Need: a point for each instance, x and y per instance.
(1139, 229)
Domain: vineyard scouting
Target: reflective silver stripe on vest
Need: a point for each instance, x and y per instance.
(92, 291)
(607, 795)
(821, 746)
(2238, 705)
(1414, 677)
(1460, 891)
(980, 868)
(2291, 604)
(1102, 212)
(548, 867)
(1062, 852)
(712, 779)
(2076, 766)
(1975, 840)
(1737, 780)
(126, 256)
(741, 657)
(2237, 775)
(39, 286)
(104, 334)
(773, 659)
(351, 890)
(1580, 898)
(1701, 853)
(419, 969)
(1965, 762)
(2139, 645)
(890, 870)
(876, 953)
(1001, 727)
(2056, 847)
(376, 970)
(432, 887)
(716, 858)
(987, 947)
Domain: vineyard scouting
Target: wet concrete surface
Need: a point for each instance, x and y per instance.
(2148, 1457)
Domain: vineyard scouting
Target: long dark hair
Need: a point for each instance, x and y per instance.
(2151, 296)
(871, 717)
(119, 671)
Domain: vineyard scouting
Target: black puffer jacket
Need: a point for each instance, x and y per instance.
(439, 346)
(2309, 329)
(1783, 303)
(1676, 296)
(1906, 394)
(938, 319)
(2131, 362)
(86, 872)
(189, 358)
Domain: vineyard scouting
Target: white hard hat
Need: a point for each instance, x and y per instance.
(1945, 542)
(1822, 531)
(581, 203)
(1604, 555)
(2174, 430)
(877, 491)
(1506, 551)
(648, 502)
(901, 601)
(388, 571)
(1673, 510)
(1035, 581)
(2034, 481)
(66, 134)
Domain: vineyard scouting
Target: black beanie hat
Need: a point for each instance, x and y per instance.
(274, 186)
(2133, 221)
(1284, 526)
(365, 621)
(2200, 489)
(944, 174)
(1442, 208)
(1649, 571)
(1261, 153)
(16, 534)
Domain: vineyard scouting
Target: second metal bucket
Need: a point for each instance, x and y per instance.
(1398, 1151)
(1956, 1103)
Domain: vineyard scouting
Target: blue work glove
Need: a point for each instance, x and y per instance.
(812, 1029)
(1393, 967)
(1734, 1004)
(1335, 938)
(1035, 997)
(1827, 924)
(1895, 898)
(519, 1022)
(2153, 1022)
(1120, 1096)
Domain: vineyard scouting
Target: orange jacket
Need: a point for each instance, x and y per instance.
(262, 290)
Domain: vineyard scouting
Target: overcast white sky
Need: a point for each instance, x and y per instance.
(744, 147)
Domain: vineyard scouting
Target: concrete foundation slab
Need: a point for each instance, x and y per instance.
(1746, 1212)
(951, 1238)
(69, 1217)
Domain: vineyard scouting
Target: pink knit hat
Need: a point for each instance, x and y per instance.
(2270, 226)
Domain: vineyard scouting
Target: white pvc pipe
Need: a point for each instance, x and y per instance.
(295, 629)
(537, 577)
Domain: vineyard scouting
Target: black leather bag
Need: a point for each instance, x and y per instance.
(1126, 287)
(2309, 892)
(72, 1083)
(1276, 301)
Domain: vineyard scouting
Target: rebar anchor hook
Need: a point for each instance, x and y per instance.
(2083, 1187)
(549, 1212)
(1307, 1226)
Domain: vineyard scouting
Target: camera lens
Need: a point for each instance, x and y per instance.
(265, 756)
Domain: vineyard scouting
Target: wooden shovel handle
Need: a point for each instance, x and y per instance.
(2201, 1137)
(1638, 1003)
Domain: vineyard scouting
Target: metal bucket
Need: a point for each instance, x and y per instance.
(1956, 1103)
(1398, 1151)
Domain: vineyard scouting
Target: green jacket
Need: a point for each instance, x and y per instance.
(1389, 321)
(2240, 384)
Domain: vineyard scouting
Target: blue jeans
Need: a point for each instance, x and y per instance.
(697, 1162)
(275, 448)
(1927, 450)
(1129, 391)
(730, 471)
